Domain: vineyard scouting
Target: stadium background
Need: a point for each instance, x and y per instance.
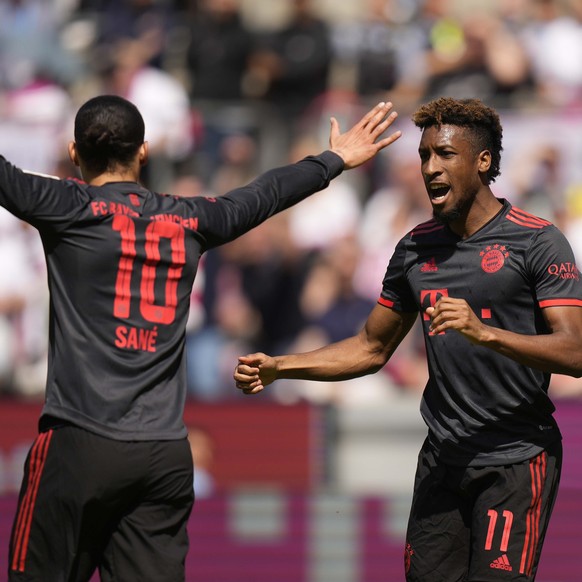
(306, 482)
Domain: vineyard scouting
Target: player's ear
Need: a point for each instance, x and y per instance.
(143, 153)
(484, 161)
(73, 153)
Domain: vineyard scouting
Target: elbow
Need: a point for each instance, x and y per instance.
(376, 362)
(573, 368)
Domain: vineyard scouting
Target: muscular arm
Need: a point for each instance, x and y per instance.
(558, 352)
(364, 353)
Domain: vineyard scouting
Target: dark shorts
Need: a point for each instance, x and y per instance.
(480, 523)
(89, 502)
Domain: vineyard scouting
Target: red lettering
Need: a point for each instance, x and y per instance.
(99, 208)
(121, 333)
(190, 223)
(136, 338)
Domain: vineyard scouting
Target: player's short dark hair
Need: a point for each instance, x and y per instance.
(109, 130)
(483, 122)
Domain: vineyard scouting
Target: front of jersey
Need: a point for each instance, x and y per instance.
(121, 262)
(483, 408)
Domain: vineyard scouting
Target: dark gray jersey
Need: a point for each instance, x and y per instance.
(121, 263)
(483, 408)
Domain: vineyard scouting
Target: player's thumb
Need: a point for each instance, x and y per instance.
(334, 129)
(252, 359)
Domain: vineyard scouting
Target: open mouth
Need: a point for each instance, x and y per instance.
(438, 192)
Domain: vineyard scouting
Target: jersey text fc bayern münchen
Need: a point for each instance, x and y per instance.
(483, 408)
(121, 262)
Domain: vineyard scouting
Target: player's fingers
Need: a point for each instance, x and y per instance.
(375, 115)
(334, 130)
(384, 125)
(380, 145)
(255, 390)
(378, 116)
(247, 370)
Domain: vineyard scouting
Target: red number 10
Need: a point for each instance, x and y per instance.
(155, 231)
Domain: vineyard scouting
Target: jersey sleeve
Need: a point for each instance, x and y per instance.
(226, 217)
(553, 267)
(396, 292)
(37, 199)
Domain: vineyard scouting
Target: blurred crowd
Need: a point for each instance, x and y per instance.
(230, 88)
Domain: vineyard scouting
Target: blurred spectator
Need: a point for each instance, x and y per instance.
(376, 47)
(327, 217)
(539, 184)
(291, 67)
(329, 299)
(217, 60)
(220, 46)
(163, 102)
(30, 47)
(473, 55)
(202, 447)
(146, 21)
(554, 42)
(23, 309)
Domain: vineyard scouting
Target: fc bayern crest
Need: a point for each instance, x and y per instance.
(493, 258)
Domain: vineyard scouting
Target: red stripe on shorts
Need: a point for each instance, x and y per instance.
(537, 468)
(38, 456)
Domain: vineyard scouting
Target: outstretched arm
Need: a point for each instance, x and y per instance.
(558, 352)
(225, 218)
(357, 356)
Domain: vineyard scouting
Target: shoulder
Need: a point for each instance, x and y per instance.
(526, 220)
(429, 229)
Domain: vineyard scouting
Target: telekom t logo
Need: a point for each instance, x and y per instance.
(428, 298)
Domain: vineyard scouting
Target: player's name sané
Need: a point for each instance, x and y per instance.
(135, 338)
(107, 207)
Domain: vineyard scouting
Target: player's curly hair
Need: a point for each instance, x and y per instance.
(109, 131)
(483, 122)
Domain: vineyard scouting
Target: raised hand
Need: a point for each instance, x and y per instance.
(361, 143)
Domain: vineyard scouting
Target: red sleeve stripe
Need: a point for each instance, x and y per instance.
(523, 214)
(537, 467)
(38, 456)
(426, 228)
(524, 222)
(385, 302)
(561, 303)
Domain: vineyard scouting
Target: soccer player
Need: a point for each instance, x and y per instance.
(500, 302)
(108, 481)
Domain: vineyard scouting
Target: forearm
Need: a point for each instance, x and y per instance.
(556, 353)
(344, 360)
(235, 213)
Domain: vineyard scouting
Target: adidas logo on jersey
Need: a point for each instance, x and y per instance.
(502, 563)
(430, 266)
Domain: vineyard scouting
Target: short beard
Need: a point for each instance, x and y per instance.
(446, 217)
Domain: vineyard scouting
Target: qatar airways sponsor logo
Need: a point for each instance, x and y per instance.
(564, 271)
